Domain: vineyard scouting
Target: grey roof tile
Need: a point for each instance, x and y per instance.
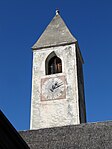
(83, 136)
(55, 34)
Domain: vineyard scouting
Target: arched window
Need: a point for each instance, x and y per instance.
(53, 64)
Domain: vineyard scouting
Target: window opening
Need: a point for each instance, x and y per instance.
(54, 65)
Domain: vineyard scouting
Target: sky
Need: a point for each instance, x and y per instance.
(21, 24)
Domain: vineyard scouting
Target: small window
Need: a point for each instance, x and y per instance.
(54, 65)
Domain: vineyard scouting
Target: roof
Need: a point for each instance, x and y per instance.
(55, 34)
(83, 136)
(9, 137)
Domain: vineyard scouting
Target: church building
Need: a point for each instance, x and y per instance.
(58, 113)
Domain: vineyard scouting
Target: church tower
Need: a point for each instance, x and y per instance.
(57, 79)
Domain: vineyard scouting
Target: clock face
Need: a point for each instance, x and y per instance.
(53, 88)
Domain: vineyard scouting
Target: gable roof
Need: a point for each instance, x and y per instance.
(84, 136)
(55, 34)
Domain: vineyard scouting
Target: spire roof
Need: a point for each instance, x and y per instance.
(55, 34)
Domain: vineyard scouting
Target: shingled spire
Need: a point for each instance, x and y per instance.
(56, 33)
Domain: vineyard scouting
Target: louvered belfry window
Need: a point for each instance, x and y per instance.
(54, 65)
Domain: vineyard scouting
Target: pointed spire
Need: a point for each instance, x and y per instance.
(55, 34)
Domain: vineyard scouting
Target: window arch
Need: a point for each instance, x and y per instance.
(53, 64)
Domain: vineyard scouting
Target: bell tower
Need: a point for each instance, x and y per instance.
(57, 78)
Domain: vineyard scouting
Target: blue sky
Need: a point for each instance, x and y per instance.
(21, 24)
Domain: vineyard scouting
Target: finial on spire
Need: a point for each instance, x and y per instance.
(57, 12)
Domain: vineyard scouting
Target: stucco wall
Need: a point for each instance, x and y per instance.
(61, 112)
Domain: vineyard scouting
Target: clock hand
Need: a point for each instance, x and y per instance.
(51, 90)
(61, 83)
(53, 87)
(56, 85)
